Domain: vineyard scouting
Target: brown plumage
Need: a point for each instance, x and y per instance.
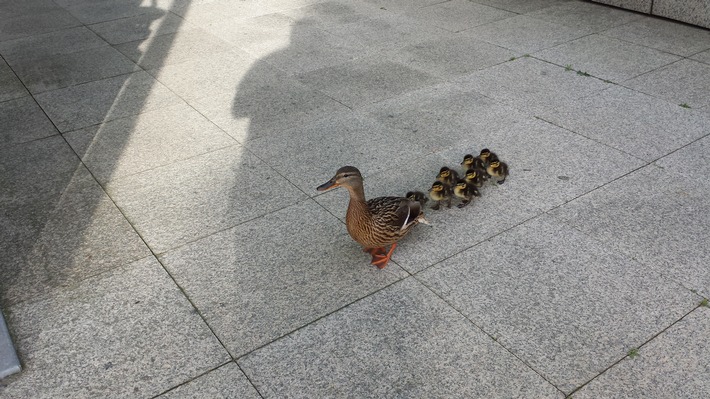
(471, 162)
(377, 222)
(447, 176)
(464, 191)
(487, 156)
(418, 196)
(440, 192)
(498, 170)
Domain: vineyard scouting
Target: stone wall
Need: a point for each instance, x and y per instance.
(696, 12)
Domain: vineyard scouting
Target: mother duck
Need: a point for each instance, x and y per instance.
(378, 222)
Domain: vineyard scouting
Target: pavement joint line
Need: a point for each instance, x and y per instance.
(542, 118)
(495, 339)
(638, 347)
(319, 318)
(192, 379)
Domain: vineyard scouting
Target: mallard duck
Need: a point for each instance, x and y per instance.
(418, 196)
(474, 177)
(464, 191)
(447, 176)
(498, 170)
(487, 156)
(440, 192)
(378, 222)
(471, 162)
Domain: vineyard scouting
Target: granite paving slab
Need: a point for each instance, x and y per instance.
(644, 6)
(10, 86)
(22, 120)
(36, 170)
(683, 82)
(366, 81)
(521, 7)
(139, 27)
(52, 243)
(454, 56)
(537, 183)
(51, 44)
(445, 116)
(561, 301)
(309, 155)
(260, 36)
(134, 144)
(638, 124)
(226, 382)
(524, 34)
(532, 85)
(193, 198)
(104, 100)
(128, 332)
(585, 15)
(216, 74)
(263, 107)
(607, 58)
(702, 57)
(458, 15)
(658, 217)
(336, 13)
(403, 341)
(203, 13)
(172, 48)
(662, 34)
(674, 364)
(259, 281)
(36, 23)
(91, 12)
(401, 6)
(14, 9)
(65, 70)
(387, 32)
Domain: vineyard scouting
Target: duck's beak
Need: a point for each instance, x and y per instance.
(327, 185)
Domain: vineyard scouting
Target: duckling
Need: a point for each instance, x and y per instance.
(417, 196)
(464, 191)
(440, 192)
(447, 176)
(471, 162)
(487, 156)
(475, 178)
(499, 170)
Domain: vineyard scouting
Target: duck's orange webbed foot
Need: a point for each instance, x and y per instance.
(380, 260)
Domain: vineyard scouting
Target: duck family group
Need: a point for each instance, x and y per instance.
(476, 171)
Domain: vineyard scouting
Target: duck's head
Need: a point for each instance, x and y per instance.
(467, 160)
(495, 163)
(444, 173)
(471, 174)
(345, 176)
(437, 186)
(461, 184)
(485, 153)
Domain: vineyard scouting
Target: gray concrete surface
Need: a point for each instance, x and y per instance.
(161, 236)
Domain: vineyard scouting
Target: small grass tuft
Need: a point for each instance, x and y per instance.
(705, 303)
(526, 55)
(633, 352)
(582, 73)
(685, 105)
(607, 81)
(568, 67)
(513, 58)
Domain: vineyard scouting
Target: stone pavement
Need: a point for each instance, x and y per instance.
(161, 234)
